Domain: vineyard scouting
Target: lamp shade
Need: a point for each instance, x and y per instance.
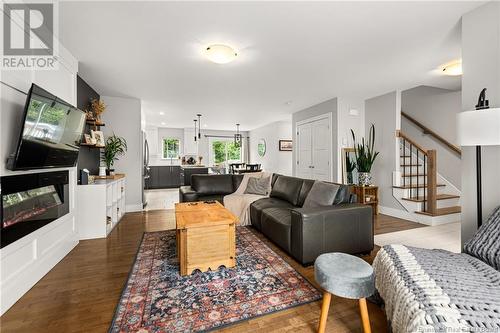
(479, 127)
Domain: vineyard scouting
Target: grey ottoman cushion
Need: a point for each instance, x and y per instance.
(344, 275)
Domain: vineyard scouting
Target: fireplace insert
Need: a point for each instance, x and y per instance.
(31, 201)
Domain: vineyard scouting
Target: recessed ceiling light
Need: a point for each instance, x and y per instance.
(163, 123)
(205, 125)
(453, 68)
(162, 113)
(288, 103)
(220, 53)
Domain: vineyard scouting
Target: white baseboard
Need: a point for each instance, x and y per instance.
(402, 214)
(133, 208)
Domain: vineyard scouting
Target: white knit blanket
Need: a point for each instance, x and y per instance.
(239, 203)
(437, 291)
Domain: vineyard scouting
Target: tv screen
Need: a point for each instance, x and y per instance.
(51, 133)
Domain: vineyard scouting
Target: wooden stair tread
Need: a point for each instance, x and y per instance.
(438, 197)
(410, 165)
(414, 175)
(443, 211)
(415, 186)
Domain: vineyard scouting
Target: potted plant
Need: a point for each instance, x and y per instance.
(115, 146)
(365, 156)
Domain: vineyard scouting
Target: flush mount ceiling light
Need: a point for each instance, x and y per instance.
(220, 53)
(453, 68)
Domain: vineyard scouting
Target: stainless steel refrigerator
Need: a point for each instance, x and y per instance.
(145, 167)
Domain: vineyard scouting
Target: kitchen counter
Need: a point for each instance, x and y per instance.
(187, 166)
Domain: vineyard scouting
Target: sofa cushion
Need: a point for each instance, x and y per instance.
(212, 184)
(485, 245)
(237, 181)
(260, 186)
(258, 206)
(304, 191)
(321, 194)
(343, 195)
(287, 188)
(276, 225)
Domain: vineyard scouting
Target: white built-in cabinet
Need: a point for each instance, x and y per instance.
(190, 146)
(152, 137)
(314, 148)
(101, 205)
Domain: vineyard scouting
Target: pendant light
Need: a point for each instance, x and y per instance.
(195, 136)
(237, 136)
(199, 126)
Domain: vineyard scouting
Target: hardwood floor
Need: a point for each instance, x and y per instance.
(81, 292)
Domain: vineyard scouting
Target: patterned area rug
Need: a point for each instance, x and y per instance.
(157, 299)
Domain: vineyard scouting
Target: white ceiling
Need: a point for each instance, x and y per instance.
(288, 51)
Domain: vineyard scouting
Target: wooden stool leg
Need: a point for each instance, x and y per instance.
(364, 315)
(325, 306)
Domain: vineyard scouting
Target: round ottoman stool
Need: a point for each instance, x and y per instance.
(346, 276)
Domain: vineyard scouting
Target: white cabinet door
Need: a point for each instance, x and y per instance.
(321, 153)
(314, 150)
(304, 151)
(152, 137)
(190, 146)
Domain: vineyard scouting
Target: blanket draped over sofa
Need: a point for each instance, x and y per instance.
(239, 202)
(437, 291)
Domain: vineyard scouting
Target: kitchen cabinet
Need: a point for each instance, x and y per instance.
(190, 146)
(164, 176)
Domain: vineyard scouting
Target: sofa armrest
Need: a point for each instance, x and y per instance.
(187, 194)
(346, 228)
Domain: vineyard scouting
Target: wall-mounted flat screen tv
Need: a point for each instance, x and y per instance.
(51, 133)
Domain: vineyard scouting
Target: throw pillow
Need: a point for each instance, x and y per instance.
(321, 194)
(485, 245)
(260, 186)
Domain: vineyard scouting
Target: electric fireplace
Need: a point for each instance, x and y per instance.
(31, 201)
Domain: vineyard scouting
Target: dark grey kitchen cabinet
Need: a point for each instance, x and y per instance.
(165, 176)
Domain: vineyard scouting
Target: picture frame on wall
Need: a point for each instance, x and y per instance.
(286, 145)
(99, 137)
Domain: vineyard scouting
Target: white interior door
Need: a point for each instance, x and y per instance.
(321, 153)
(314, 149)
(304, 151)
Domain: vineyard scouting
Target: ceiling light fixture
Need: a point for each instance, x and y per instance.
(237, 136)
(453, 68)
(162, 113)
(220, 53)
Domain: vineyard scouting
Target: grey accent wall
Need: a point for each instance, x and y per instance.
(329, 106)
(274, 160)
(123, 117)
(437, 109)
(481, 66)
(383, 112)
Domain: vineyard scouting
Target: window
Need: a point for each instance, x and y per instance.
(171, 148)
(224, 152)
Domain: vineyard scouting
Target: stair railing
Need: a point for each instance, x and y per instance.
(429, 166)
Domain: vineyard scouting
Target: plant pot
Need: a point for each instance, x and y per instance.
(364, 179)
(110, 172)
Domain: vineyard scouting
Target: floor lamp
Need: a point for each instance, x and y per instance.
(479, 128)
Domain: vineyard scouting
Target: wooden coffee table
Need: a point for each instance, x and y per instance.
(206, 237)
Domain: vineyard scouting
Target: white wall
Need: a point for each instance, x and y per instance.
(327, 107)
(481, 66)
(26, 261)
(384, 112)
(123, 118)
(437, 109)
(274, 161)
(347, 120)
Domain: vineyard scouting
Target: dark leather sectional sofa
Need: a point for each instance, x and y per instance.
(304, 233)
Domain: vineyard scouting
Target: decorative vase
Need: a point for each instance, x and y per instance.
(365, 179)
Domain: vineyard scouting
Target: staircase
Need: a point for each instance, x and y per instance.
(427, 196)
